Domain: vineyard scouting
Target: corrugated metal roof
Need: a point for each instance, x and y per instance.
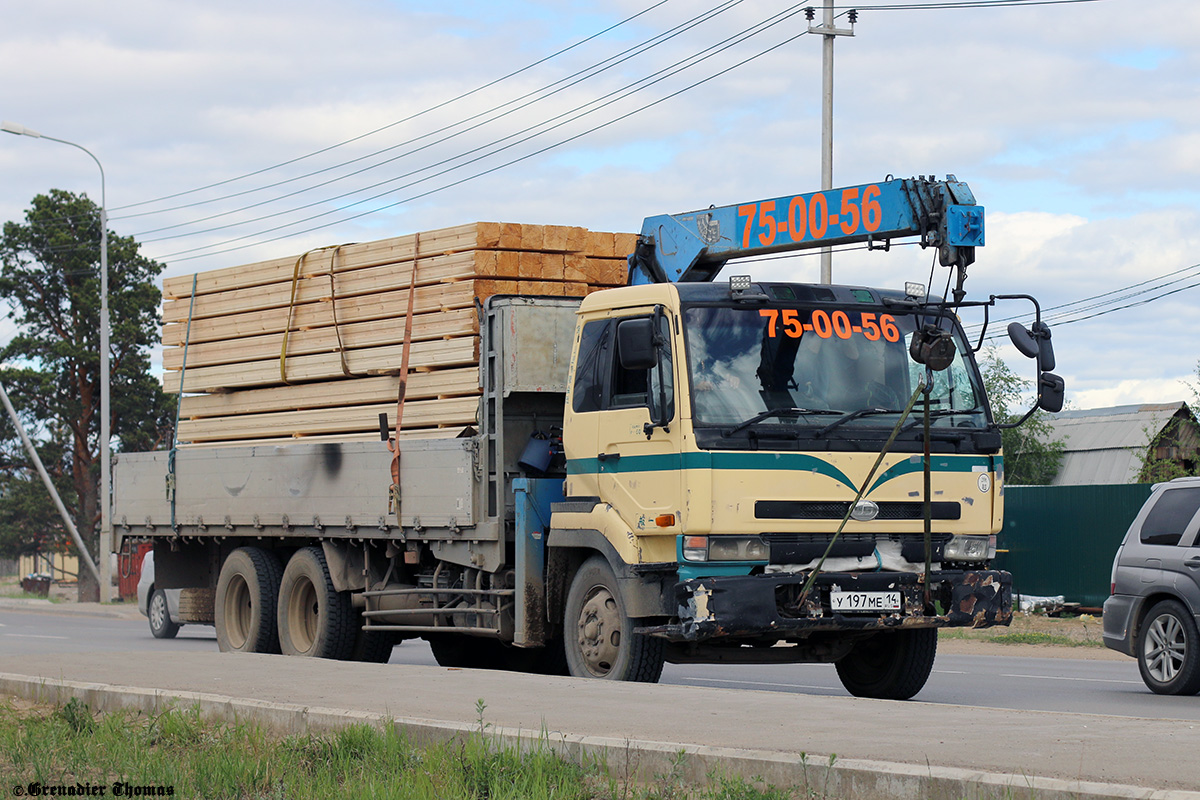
(1104, 445)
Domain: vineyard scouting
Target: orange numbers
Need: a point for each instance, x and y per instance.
(870, 327)
(765, 220)
(818, 216)
(849, 212)
(773, 315)
(841, 324)
(796, 219)
(747, 211)
(890, 332)
(872, 212)
(792, 325)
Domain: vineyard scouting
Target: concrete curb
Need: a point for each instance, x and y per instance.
(117, 611)
(823, 776)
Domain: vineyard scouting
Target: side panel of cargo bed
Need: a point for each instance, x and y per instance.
(334, 488)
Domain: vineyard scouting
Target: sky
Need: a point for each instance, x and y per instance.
(231, 132)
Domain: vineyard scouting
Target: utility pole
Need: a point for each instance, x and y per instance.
(829, 31)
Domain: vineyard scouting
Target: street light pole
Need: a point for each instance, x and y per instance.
(829, 32)
(105, 398)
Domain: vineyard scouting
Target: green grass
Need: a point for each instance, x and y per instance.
(1019, 637)
(181, 753)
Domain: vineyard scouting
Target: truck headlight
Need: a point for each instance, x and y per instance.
(970, 548)
(725, 548)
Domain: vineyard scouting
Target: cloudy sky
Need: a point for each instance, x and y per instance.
(233, 131)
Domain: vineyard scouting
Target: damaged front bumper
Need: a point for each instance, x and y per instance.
(771, 606)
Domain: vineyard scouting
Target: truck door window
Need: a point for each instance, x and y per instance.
(1170, 516)
(590, 366)
(633, 388)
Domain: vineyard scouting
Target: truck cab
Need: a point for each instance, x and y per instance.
(728, 460)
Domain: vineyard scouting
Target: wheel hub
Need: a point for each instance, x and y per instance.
(1166, 648)
(600, 632)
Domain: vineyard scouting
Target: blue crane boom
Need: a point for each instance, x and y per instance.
(695, 245)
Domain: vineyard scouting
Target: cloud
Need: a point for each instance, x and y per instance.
(1070, 122)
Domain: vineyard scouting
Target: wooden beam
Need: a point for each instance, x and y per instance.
(426, 327)
(325, 394)
(325, 366)
(385, 305)
(356, 419)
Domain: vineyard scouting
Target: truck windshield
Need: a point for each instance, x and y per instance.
(821, 367)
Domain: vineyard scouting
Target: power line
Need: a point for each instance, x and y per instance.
(539, 94)
(1068, 317)
(192, 254)
(421, 113)
(628, 90)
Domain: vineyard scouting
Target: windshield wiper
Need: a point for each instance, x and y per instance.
(862, 412)
(776, 412)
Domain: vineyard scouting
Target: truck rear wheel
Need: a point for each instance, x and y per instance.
(246, 599)
(890, 666)
(599, 637)
(314, 619)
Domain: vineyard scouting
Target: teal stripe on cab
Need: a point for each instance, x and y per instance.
(793, 462)
(789, 462)
(936, 464)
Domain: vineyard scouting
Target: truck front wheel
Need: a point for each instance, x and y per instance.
(246, 599)
(600, 642)
(890, 666)
(314, 619)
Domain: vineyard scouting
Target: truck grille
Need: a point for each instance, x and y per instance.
(836, 509)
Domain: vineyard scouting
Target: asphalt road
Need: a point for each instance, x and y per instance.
(989, 681)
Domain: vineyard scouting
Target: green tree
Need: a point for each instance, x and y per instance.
(1032, 456)
(49, 277)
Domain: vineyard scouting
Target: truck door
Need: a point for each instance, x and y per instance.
(638, 440)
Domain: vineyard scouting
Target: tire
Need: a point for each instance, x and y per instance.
(889, 666)
(314, 620)
(1168, 650)
(246, 600)
(598, 634)
(160, 616)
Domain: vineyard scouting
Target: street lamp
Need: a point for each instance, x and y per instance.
(105, 400)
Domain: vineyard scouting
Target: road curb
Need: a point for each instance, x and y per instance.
(817, 775)
(123, 611)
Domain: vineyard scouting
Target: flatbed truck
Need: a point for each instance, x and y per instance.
(680, 470)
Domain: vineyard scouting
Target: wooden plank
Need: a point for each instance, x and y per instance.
(385, 305)
(329, 339)
(428, 244)
(356, 419)
(324, 366)
(596, 271)
(312, 289)
(325, 394)
(477, 235)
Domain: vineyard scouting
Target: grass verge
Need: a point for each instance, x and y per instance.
(68, 749)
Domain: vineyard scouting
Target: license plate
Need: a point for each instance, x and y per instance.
(864, 601)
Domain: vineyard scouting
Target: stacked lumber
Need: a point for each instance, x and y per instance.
(312, 345)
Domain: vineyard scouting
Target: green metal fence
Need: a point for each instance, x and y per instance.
(1061, 539)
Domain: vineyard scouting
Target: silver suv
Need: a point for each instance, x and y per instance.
(1155, 603)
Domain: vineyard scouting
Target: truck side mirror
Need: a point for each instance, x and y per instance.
(1051, 390)
(1033, 344)
(1045, 349)
(1023, 340)
(636, 344)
